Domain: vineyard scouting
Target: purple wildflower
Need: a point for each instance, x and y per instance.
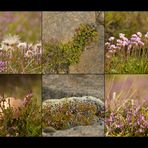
(2, 66)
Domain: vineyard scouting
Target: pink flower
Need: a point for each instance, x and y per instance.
(139, 34)
(134, 36)
(113, 47)
(146, 35)
(119, 41)
(140, 43)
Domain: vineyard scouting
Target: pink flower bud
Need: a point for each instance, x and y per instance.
(139, 34)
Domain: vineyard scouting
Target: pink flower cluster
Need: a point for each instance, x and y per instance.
(130, 120)
(2, 66)
(123, 43)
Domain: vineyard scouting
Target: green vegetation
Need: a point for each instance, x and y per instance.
(126, 106)
(27, 123)
(69, 115)
(59, 56)
(125, 22)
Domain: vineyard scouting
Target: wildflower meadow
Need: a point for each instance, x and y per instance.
(20, 49)
(127, 55)
(126, 105)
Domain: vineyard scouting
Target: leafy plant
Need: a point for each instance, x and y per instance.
(68, 115)
(59, 56)
(126, 106)
(127, 55)
(28, 123)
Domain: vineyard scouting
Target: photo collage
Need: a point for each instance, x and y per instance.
(73, 74)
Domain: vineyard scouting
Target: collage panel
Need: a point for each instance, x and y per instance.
(20, 105)
(126, 41)
(73, 106)
(73, 42)
(126, 105)
(20, 42)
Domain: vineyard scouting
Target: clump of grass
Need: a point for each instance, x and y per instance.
(69, 115)
(28, 123)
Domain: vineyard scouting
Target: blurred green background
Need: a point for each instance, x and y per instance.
(19, 85)
(25, 24)
(125, 22)
(128, 84)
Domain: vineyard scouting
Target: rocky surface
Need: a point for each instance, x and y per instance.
(60, 26)
(96, 130)
(60, 86)
(74, 89)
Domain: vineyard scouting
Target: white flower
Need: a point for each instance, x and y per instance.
(111, 38)
(139, 34)
(30, 46)
(10, 42)
(134, 36)
(15, 39)
(146, 35)
(38, 48)
(121, 35)
(22, 46)
(113, 47)
(107, 44)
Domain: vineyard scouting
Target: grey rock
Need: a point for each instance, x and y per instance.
(95, 130)
(60, 86)
(61, 25)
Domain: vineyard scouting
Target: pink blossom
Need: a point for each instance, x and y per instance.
(119, 41)
(146, 35)
(113, 47)
(140, 43)
(139, 34)
(134, 36)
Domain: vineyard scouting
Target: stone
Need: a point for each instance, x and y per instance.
(95, 130)
(61, 25)
(60, 86)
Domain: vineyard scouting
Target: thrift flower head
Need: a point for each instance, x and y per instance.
(139, 34)
(2, 66)
(111, 38)
(146, 35)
